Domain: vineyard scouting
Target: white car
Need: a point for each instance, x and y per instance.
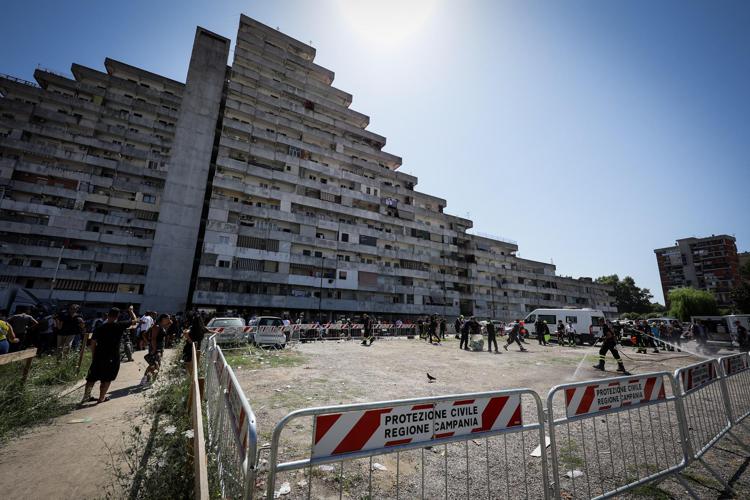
(268, 330)
(229, 330)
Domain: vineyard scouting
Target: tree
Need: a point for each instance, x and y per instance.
(741, 292)
(658, 308)
(687, 302)
(628, 296)
(741, 297)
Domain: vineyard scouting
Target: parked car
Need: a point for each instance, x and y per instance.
(261, 334)
(229, 330)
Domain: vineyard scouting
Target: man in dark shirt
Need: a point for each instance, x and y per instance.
(105, 353)
(155, 344)
(69, 325)
(491, 339)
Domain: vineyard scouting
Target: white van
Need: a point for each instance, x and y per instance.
(587, 322)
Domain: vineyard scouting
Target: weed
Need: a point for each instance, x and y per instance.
(569, 455)
(154, 461)
(651, 491)
(44, 396)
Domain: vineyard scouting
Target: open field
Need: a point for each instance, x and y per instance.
(330, 373)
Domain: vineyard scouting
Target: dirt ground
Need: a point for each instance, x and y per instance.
(331, 373)
(70, 457)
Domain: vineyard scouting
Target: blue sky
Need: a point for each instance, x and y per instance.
(589, 132)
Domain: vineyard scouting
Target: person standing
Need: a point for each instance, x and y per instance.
(640, 339)
(491, 339)
(610, 344)
(465, 330)
(677, 335)
(69, 325)
(145, 323)
(105, 353)
(459, 323)
(368, 329)
(742, 338)
(539, 331)
(443, 328)
(432, 329)
(515, 331)
(193, 335)
(570, 332)
(560, 333)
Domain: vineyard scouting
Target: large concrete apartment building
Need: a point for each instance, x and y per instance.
(709, 263)
(252, 187)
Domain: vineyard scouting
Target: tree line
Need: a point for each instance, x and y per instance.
(634, 302)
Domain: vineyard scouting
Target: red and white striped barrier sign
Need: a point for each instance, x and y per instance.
(696, 376)
(735, 364)
(603, 396)
(349, 432)
(238, 417)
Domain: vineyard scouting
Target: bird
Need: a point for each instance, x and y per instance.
(430, 378)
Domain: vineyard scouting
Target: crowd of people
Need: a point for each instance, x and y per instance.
(114, 335)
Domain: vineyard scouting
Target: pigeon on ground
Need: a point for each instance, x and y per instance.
(430, 378)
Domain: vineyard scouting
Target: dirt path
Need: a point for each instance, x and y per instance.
(70, 458)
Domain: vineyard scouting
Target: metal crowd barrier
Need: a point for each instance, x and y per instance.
(702, 395)
(200, 465)
(615, 434)
(737, 384)
(707, 406)
(437, 438)
(606, 437)
(232, 432)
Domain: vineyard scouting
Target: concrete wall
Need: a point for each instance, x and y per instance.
(168, 280)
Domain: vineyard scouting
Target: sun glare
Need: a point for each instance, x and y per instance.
(387, 23)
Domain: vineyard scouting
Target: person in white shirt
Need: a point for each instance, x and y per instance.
(144, 324)
(570, 331)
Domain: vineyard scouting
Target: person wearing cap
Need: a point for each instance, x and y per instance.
(105, 353)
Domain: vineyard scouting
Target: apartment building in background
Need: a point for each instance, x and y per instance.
(252, 187)
(709, 263)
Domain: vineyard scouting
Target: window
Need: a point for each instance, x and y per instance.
(551, 319)
(223, 263)
(368, 240)
(306, 252)
(597, 321)
(571, 319)
(342, 275)
(149, 198)
(344, 237)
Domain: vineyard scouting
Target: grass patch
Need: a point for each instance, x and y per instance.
(43, 397)
(651, 491)
(155, 460)
(702, 480)
(255, 358)
(569, 456)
